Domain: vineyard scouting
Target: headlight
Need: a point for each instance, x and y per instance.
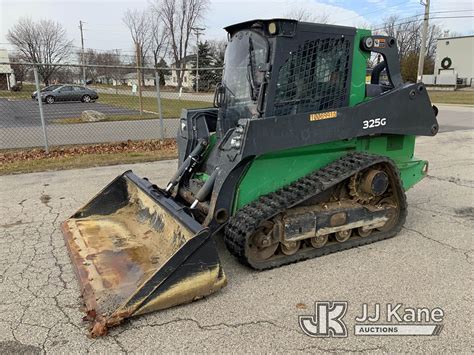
(235, 142)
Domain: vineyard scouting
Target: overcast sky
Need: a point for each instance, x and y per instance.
(104, 29)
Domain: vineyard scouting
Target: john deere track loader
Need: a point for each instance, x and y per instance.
(298, 158)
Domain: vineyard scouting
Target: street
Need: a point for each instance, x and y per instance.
(429, 264)
(19, 135)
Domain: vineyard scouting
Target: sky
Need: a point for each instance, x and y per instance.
(104, 29)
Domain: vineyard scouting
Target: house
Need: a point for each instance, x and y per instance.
(130, 79)
(454, 62)
(7, 78)
(172, 79)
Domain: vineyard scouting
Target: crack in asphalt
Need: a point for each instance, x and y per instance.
(453, 180)
(216, 326)
(344, 350)
(461, 250)
(37, 276)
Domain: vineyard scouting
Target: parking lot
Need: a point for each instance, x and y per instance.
(429, 264)
(20, 124)
(25, 113)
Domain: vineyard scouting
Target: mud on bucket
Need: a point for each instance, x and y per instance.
(136, 250)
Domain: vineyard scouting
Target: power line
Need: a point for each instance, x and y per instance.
(378, 10)
(431, 18)
(421, 14)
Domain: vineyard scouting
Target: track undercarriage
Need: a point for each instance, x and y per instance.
(354, 201)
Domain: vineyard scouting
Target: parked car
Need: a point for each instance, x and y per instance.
(69, 93)
(47, 88)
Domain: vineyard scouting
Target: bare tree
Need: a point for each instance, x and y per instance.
(138, 23)
(179, 17)
(44, 41)
(159, 39)
(98, 63)
(304, 14)
(408, 36)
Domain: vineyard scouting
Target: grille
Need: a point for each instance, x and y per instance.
(314, 77)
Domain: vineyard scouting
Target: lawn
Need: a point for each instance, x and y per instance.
(171, 107)
(25, 93)
(452, 97)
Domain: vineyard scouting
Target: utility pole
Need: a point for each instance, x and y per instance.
(424, 35)
(197, 32)
(139, 77)
(82, 53)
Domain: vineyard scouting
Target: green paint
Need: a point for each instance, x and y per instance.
(272, 171)
(401, 150)
(212, 142)
(201, 176)
(359, 66)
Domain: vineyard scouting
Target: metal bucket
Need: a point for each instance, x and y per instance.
(135, 251)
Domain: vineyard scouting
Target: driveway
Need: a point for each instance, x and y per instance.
(429, 264)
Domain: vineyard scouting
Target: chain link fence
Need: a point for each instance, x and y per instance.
(96, 104)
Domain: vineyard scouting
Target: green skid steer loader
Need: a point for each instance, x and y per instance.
(298, 158)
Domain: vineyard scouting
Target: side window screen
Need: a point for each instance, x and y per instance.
(314, 77)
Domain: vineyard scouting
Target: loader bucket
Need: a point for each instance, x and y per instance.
(135, 251)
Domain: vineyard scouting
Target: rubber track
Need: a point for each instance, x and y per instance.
(243, 224)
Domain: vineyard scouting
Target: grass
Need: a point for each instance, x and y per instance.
(171, 108)
(25, 93)
(452, 97)
(86, 156)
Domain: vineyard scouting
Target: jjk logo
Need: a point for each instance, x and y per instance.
(326, 321)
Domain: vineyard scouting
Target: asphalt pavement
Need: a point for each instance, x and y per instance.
(429, 264)
(20, 125)
(25, 113)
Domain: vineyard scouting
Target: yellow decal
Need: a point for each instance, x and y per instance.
(322, 115)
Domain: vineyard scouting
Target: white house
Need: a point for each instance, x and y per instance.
(130, 79)
(172, 79)
(7, 78)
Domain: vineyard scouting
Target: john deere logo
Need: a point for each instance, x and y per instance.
(326, 321)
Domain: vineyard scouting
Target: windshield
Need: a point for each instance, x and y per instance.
(51, 87)
(246, 54)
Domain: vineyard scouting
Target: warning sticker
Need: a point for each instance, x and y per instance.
(322, 115)
(379, 42)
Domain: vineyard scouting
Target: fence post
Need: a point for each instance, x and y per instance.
(40, 105)
(160, 111)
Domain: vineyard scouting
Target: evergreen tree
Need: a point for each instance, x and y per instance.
(206, 77)
(163, 72)
(218, 51)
